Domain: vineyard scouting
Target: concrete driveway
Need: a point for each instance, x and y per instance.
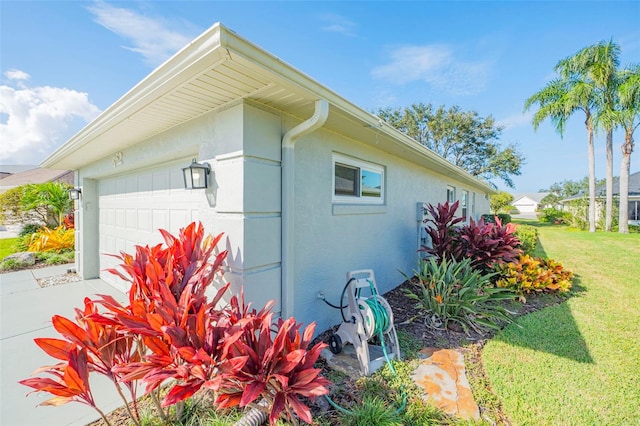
(26, 311)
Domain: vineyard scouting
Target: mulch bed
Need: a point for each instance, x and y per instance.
(407, 318)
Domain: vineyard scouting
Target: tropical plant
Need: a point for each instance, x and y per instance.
(557, 101)
(171, 332)
(57, 240)
(596, 69)
(533, 274)
(450, 291)
(488, 244)
(49, 200)
(442, 230)
(484, 243)
(627, 116)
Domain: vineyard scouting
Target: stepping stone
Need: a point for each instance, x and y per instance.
(442, 376)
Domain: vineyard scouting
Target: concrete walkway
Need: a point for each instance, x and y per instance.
(26, 311)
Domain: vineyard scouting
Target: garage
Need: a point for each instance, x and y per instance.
(132, 207)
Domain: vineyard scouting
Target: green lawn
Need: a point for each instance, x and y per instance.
(7, 246)
(577, 363)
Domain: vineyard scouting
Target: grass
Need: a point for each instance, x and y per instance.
(8, 246)
(576, 363)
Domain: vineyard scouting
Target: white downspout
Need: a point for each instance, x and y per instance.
(287, 192)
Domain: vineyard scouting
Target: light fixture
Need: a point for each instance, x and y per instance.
(196, 175)
(74, 193)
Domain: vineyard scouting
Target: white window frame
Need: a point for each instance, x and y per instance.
(451, 189)
(473, 204)
(464, 205)
(360, 165)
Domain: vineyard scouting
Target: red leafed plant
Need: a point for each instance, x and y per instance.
(171, 331)
(489, 244)
(442, 230)
(88, 346)
(278, 369)
(486, 244)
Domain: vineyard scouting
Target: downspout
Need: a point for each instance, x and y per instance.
(287, 193)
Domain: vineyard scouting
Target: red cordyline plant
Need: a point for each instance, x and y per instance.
(278, 368)
(486, 244)
(171, 331)
(442, 230)
(489, 244)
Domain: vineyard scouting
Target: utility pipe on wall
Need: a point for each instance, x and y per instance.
(287, 193)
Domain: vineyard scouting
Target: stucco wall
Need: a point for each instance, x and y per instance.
(332, 239)
(242, 144)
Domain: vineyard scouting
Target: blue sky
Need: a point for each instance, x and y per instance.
(62, 62)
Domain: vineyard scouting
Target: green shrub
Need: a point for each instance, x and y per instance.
(53, 258)
(11, 265)
(551, 215)
(528, 236)
(531, 274)
(30, 228)
(491, 218)
(449, 291)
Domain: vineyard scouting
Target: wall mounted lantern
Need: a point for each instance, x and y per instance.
(74, 193)
(196, 175)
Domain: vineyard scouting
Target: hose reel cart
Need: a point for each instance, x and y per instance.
(366, 316)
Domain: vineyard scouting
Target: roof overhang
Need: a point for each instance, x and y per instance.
(215, 70)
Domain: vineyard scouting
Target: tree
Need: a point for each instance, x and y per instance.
(462, 137)
(499, 201)
(557, 101)
(567, 189)
(628, 116)
(596, 67)
(46, 203)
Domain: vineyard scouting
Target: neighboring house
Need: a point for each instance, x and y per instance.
(35, 175)
(305, 185)
(11, 169)
(634, 197)
(528, 203)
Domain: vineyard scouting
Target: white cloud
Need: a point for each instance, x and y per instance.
(17, 75)
(339, 24)
(150, 37)
(516, 120)
(437, 65)
(35, 120)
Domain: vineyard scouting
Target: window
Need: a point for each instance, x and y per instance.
(634, 210)
(451, 194)
(463, 203)
(357, 181)
(473, 204)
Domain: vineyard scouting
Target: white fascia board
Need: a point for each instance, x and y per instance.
(201, 54)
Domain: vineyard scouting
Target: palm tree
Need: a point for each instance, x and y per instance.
(628, 116)
(558, 100)
(596, 66)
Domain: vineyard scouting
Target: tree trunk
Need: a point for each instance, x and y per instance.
(609, 184)
(627, 150)
(592, 176)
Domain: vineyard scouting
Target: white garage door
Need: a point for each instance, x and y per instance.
(134, 206)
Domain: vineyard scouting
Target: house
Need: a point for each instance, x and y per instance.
(34, 175)
(305, 185)
(633, 199)
(528, 203)
(10, 169)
